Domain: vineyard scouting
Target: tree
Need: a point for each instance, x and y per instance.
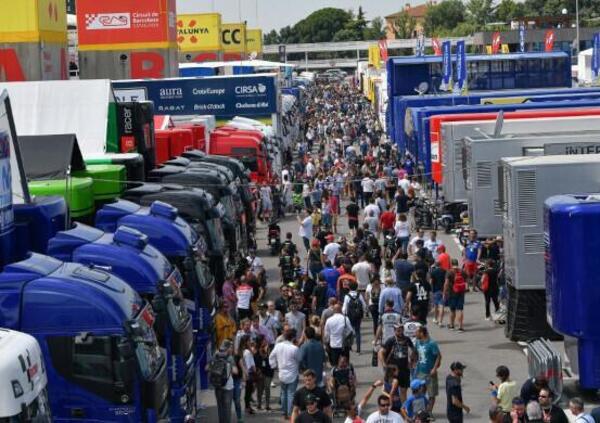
(443, 17)
(480, 12)
(404, 25)
(375, 30)
(509, 10)
(271, 37)
(321, 26)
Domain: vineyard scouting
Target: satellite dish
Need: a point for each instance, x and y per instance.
(422, 88)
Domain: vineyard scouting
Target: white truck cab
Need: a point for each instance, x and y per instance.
(23, 396)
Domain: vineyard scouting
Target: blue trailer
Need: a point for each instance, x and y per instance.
(129, 256)
(418, 122)
(103, 359)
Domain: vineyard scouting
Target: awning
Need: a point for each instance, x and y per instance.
(50, 156)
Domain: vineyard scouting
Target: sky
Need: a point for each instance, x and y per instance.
(275, 14)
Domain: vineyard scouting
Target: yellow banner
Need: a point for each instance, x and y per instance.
(488, 49)
(233, 37)
(504, 100)
(374, 56)
(254, 42)
(505, 48)
(200, 32)
(33, 21)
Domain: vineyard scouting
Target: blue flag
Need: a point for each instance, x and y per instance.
(522, 37)
(461, 64)
(446, 62)
(596, 54)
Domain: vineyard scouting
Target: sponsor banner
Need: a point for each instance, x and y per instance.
(420, 49)
(596, 55)
(200, 32)
(461, 64)
(437, 46)
(496, 42)
(111, 24)
(383, 49)
(233, 37)
(374, 57)
(446, 63)
(549, 41)
(219, 96)
(522, 37)
(254, 41)
(27, 21)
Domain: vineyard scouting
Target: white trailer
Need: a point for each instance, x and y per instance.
(481, 155)
(526, 183)
(452, 134)
(24, 396)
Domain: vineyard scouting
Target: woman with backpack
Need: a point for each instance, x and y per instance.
(354, 308)
(489, 286)
(454, 293)
(222, 372)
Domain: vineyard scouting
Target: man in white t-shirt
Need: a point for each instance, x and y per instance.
(362, 273)
(432, 244)
(372, 207)
(335, 331)
(310, 169)
(331, 249)
(412, 245)
(384, 414)
(306, 229)
(404, 183)
(368, 186)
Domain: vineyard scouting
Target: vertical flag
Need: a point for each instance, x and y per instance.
(461, 64)
(420, 44)
(383, 50)
(549, 41)
(596, 55)
(496, 42)
(437, 48)
(446, 65)
(522, 37)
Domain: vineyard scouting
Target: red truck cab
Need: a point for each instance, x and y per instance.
(244, 148)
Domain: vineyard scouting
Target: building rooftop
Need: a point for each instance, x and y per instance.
(417, 11)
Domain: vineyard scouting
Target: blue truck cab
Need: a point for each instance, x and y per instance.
(96, 333)
(127, 254)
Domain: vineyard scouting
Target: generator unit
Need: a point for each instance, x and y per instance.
(480, 158)
(452, 134)
(526, 183)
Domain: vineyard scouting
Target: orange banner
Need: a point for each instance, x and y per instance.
(110, 24)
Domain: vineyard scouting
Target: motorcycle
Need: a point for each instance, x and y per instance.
(423, 217)
(274, 238)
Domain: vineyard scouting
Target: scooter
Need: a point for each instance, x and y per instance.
(274, 238)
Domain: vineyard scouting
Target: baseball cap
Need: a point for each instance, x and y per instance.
(457, 365)
(417, 383)
(311, 398)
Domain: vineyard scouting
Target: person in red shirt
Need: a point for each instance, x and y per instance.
(387, 220)
(443, 258)
(334, 207)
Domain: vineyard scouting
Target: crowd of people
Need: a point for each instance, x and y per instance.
(376, 265)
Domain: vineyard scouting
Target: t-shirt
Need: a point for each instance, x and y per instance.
(373, 222)
(420, 293)
(306, 228)
(438, 277)
(372, 208)
(387, 219)
(368, 185)
(390, 417)
(362, 270)
(471, 250)
(427, 353)
(244, 295)
(352, 210)
(320, 293)
(444, 261)
(331, 276)
(506, 392)
(402, 229)
(319, 392)
(453, 388)
(414, 404)
(318, 417)
(387, 322)
(296, 321)
(397, 351)
(331, 251)
(410, 329)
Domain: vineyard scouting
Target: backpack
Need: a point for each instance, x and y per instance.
(355, 309)
(459, 286)
(219, 371)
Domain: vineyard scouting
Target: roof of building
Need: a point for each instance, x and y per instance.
(417, 11)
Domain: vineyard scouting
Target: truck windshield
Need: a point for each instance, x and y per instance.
(178, 314)
(36, 412)
(149, 356)
(215, 232)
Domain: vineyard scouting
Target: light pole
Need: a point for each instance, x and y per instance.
(577, 26)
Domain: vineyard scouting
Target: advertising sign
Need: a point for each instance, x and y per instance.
(121, 24)
(549, 41)
(522, 37)
(374, 57)
(446, 64)
(383, 49)
(28, 21)
(254, 41)
(572, 148)
(233, 37)
(596, 55)
(219, 96)
(496, 42)
(461, 64)
(420, 50)
(199, 32)
(437, 47)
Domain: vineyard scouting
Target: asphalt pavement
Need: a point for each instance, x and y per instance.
(482, 347)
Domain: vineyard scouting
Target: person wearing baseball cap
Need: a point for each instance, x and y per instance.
(416, 402)
(455, 404)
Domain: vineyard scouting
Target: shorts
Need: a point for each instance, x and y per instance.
(438, 298)
(403, 378)
(433, 389)
(470, 268)
(353, 224)
(456, 302)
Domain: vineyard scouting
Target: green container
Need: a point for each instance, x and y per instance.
(79, 196)
(109, 180)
